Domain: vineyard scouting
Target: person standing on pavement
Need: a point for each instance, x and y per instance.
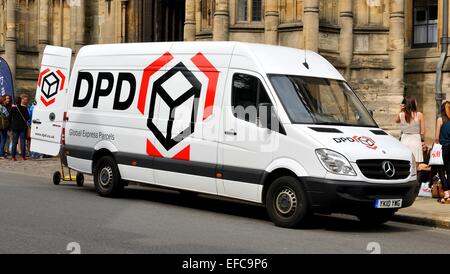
(443, 138)
(19, 125)
(33, 155)
(413, 127)
(8, 105)
(4, 126)
(26, 103)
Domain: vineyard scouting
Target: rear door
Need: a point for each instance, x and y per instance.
(51, 95)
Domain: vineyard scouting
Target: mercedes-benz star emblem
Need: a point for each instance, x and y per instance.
(388, 168)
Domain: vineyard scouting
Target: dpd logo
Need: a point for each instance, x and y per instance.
(367, 141)
(178, 90)
(50, 83)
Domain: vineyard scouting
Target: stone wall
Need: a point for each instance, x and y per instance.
(368, 41)
(363, 39)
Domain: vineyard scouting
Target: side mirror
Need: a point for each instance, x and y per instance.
(265, 115)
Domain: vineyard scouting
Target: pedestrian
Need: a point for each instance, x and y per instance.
(33, 155)
(19, 125)
(8, 105)
(427, 173)
(4, 126)
(412, 126)
(443, 138)
(26, 103)
(424, 170)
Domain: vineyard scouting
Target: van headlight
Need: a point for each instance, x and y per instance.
(334, 162)
(413, 166)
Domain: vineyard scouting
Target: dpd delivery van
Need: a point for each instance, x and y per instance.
(265, 124)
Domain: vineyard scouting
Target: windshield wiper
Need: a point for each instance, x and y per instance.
(342, 124)
(332, 123)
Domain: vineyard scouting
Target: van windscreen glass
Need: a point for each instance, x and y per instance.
(320, 101)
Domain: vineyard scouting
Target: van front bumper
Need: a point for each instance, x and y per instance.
(333, 196)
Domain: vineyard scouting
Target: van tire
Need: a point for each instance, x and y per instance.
(57, 178)
(80, 179)
(286, 202)
(376, 218)
(107, 179)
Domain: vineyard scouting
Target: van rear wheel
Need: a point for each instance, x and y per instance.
(107, 179)
(286, 202)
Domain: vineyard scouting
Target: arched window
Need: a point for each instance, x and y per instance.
(249, 11)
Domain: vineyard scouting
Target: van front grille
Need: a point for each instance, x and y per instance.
(373, 192)
(373, 169)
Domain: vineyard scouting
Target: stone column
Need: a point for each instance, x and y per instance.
(10, 41)
(189, 22)
(397, 45)
(271, 22)
(221, 21)
(80, 37)
(346, 35)
(123, 20)
(198, 16)
(311, 25)
(43, 39)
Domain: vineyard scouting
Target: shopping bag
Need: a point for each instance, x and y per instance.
(436, 156)
(425, 190)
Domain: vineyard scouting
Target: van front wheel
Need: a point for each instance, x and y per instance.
(107, 179)
(286, 202)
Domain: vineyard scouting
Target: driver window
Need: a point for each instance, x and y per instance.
(247, 93)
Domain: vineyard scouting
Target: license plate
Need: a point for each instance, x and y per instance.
(388, 203)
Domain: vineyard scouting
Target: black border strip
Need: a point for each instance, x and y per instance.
(326, 130)
(232, 173)
(379, 132)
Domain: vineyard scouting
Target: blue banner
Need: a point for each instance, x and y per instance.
(6, 81)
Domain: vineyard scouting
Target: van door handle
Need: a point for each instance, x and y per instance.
(230, 132)
(37, 122)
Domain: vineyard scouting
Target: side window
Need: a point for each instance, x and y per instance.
(247, 93)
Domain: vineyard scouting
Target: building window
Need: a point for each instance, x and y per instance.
(242, 10)
(249, 10)
(256, 10)
(425, 28)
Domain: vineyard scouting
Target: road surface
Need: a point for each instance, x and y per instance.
(38, 217)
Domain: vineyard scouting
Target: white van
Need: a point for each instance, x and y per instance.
(192, 116)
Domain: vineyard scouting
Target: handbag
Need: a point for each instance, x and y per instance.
(436, 156)
(436, 190)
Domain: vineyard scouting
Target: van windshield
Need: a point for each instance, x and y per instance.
(310, 100)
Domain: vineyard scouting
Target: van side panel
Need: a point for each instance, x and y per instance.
(166, 134)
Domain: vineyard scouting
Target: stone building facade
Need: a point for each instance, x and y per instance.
(385, 48)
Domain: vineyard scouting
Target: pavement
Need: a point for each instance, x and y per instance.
(38, 217)
(425, 211)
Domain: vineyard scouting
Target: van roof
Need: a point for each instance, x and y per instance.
(264, 58)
